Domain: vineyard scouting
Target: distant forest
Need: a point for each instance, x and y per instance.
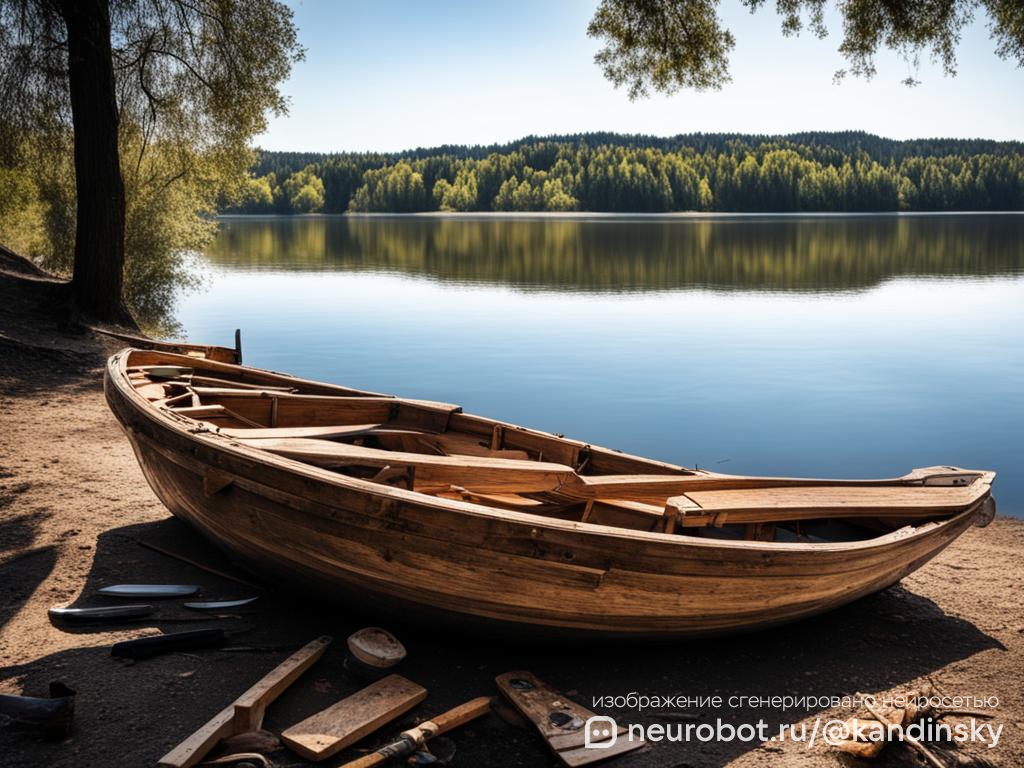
(841, 172)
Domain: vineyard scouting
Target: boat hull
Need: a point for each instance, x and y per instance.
(413, 555)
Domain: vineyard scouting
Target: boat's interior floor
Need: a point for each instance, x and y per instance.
(436, 449)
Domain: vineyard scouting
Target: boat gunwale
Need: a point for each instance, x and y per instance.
(117, 375)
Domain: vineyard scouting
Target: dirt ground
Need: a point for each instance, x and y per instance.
(74, 505)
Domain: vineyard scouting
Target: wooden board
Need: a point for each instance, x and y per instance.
(202, 411)
(782, 504)
(325, 433)
(560, 721)
(285, 409)
(652, 487)
(447, 444)
(841, 500)
(331, 730)
(246, 712)
(471, 472)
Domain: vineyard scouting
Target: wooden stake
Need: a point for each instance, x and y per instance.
(246, 712)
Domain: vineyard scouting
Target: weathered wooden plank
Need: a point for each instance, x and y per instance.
(246, 712)
(561, 721)
(777, 503)
(347, 721)
(472, 472)
(655, 487)
(349, 430)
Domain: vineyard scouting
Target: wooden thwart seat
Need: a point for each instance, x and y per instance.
(765, 505)
(325, 433)
(264, 392)
(472, 472)
(660, 487)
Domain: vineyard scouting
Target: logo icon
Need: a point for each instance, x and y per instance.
(600, 732)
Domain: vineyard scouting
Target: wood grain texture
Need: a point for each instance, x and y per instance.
(246, 712)
(344, 723)
(556, 564)
(561, 722)
(477, 473)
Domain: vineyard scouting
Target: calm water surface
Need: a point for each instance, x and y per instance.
(830, 346)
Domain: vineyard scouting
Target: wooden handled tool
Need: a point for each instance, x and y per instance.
(246, 712)
(155, 645)
(560, 721)
(414, 738)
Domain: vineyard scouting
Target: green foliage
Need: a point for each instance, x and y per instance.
(166, 224)
(666, 45)
(257, 194)
(662, 44)
(460, 195)
(168, 219)
(195, 81)
(22, 225)
(304, 191)
(535, 192)
(604, 172)
(397, 188)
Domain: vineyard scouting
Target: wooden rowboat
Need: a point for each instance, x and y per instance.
(419, 508)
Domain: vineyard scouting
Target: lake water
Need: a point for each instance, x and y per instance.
(832, 346)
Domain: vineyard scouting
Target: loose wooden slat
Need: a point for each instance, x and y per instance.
(246, 712)
(344, 723)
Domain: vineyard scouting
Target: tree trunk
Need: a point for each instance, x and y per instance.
(96, 286)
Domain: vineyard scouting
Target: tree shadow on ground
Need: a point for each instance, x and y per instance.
(20, 576)
(22, 568)
(130, 714)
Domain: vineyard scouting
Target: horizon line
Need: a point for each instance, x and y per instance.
(565, 137)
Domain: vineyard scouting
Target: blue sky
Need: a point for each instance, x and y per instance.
(395, 74)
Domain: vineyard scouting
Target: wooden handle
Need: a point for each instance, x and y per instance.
(463, 713)
(369, 761)
(453, 718)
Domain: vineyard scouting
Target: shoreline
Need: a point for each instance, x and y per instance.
(604, 215)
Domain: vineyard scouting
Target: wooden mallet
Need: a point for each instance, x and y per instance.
(415, 738)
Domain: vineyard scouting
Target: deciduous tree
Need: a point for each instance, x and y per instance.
(666, 45)
(193, 78)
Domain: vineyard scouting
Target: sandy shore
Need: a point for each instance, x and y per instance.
(74, 505)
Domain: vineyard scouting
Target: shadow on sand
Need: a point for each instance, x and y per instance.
(129, 715)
